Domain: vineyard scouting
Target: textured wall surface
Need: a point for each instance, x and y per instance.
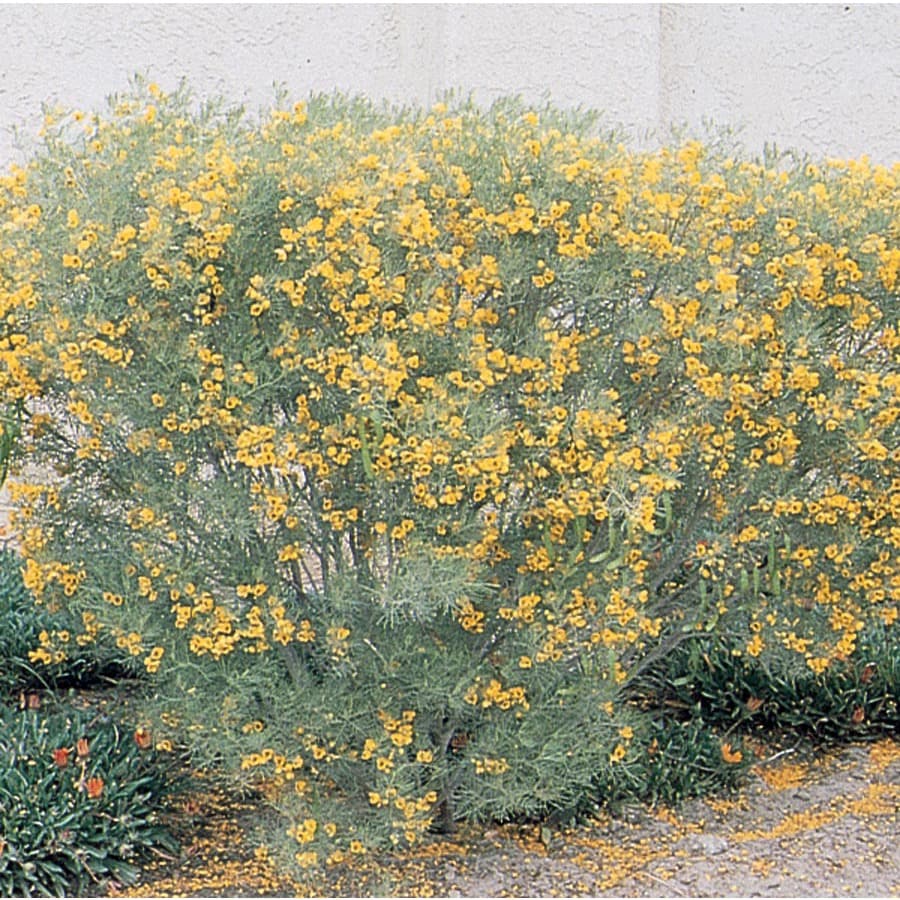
(824, 78)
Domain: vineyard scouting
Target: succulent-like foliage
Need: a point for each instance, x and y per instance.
(79, 802)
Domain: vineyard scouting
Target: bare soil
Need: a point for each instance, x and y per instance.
(807, 824)
(823, 827)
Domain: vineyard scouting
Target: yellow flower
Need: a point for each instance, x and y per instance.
(305, 831)
(402, 736)
(307, 859)
(756, 645)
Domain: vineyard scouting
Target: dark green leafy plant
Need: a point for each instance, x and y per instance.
(79, 802)
(675, 759)
(853, 700)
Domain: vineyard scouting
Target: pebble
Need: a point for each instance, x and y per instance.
(707, 844)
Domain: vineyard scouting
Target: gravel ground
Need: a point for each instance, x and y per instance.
(825, 827)
(806, 825)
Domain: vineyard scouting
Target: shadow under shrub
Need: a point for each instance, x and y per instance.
(398, 446)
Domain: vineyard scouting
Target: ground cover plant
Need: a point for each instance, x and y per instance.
(402, 448)
(79, 801)
(855, 699)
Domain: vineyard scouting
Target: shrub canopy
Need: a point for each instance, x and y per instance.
(399, 445)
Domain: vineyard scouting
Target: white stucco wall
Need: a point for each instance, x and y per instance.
(823, 78)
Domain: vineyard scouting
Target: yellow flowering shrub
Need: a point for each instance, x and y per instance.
(399, 445)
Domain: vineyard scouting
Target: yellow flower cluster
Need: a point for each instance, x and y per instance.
(399, 731)
(489, 766)
(494, 694)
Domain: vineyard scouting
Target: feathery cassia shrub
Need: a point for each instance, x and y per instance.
(400, 445)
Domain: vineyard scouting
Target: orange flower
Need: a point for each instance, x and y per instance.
(867, 673)
(143, 738)
(61, 756)
(94, 787)
(731, 756)
(754, 703)
(858, 715)
(82, 748)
